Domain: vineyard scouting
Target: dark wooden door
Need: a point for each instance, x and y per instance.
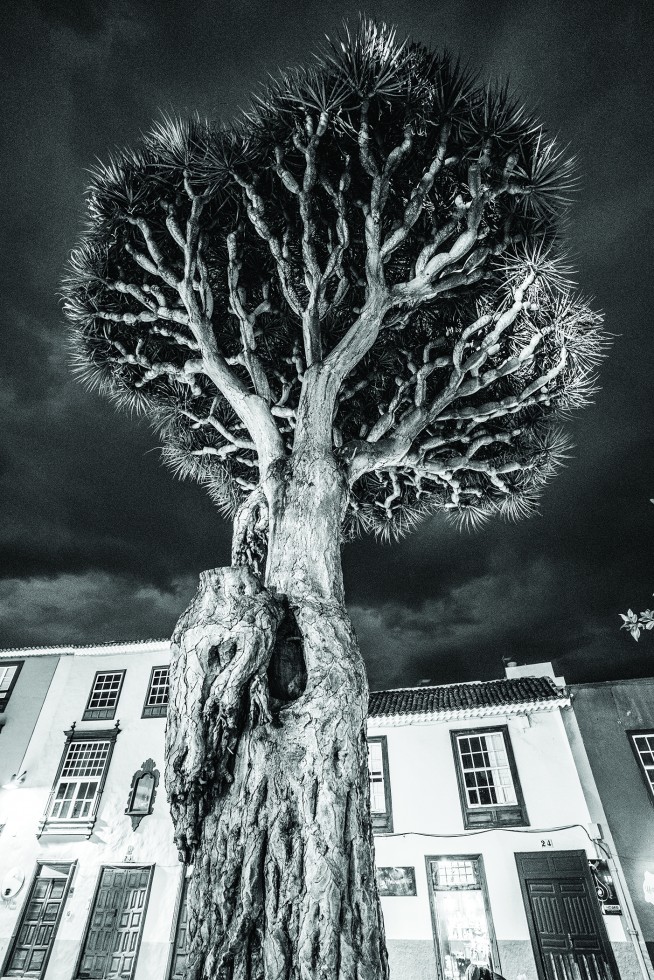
(568, 934)
(114, 931)
(180, 949)
(39, 921)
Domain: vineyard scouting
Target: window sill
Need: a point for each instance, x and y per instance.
(155, 711)
(99, 714)
(66, 828)
(510, 816)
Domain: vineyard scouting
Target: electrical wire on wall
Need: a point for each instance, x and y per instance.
(542, 831)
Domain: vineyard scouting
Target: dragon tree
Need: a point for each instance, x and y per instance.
(344, 311)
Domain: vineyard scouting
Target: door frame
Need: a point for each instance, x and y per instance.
(487, 906)
(183, 880)
(72, 868)
(596, 914)
(96, 890)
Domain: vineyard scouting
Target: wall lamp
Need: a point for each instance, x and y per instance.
(16, 780)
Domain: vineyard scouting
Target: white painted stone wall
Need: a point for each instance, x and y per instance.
(18, 719)
(427, 821)
(426, 814)
(113, 841)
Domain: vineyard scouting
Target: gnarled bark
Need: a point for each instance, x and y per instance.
(269, 794)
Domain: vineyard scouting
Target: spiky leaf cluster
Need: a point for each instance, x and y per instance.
(382, 171)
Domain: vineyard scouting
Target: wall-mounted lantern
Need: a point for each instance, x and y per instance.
(16, 780)
(142, 792)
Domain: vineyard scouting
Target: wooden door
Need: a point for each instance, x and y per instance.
(39, 922)
(115, 926)
(568, 934)
(180, 949)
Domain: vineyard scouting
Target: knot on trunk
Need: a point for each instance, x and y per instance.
(250, 538)
(221, 648)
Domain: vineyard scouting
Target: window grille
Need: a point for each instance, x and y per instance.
(104, 696)
(380, 789)
(376, 772)
(75, 796)
(79, 781)
(488, 779)
(8, 676)
(156, 700)
(643, 743)
(455, 873)
(486, 769)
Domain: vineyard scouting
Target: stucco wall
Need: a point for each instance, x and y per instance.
(22, 711)
(113, 841)
(428, 819)
(605, 712)
(426, 812)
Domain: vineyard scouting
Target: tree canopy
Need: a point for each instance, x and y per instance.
(378, 213)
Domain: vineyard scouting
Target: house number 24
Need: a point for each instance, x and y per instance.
(546, 842)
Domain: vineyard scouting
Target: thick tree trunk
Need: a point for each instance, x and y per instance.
(269, 789)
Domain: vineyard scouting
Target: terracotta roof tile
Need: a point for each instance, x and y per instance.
(461, 697)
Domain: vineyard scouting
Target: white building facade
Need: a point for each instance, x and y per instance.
(483, 833)
(486, 814)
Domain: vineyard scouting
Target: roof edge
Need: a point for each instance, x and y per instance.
(424, 717)
(85, 650)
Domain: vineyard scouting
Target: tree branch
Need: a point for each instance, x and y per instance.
(255, 209)
(418, 196)
(246, 320)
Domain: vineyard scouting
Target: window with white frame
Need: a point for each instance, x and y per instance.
(156, 700)
(79, 782)
(78, 786)
(488, 780)
(9, 671)
(643, 745)
(104, 695)
(380, 788)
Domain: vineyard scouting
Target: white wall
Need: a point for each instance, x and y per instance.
(22, 712)
(425, 800)
(113, 841)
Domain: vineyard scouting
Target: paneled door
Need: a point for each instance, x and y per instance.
(115, 926)
(567, 931)
(39, 921)
(180, 949)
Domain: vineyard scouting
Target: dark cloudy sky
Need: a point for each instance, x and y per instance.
(98, 542)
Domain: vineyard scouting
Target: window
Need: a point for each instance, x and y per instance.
(9, 671)
(75, 796)
(488, 781)
(643, 746)
(462, 922)
(104, 695)
(156, 701)
(380, 786)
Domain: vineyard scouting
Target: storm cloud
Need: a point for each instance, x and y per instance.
(98, 542)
